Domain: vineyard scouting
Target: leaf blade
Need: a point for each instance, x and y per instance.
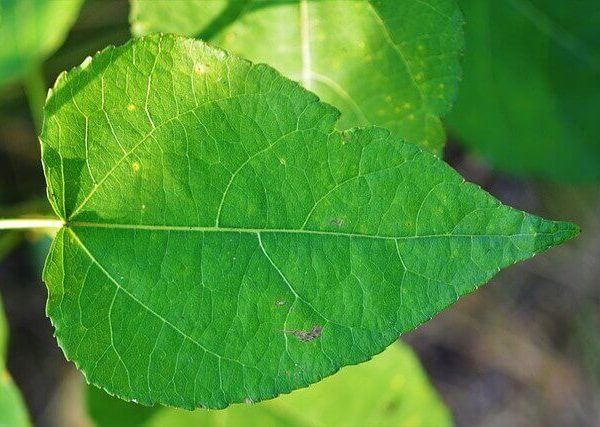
(246, 244)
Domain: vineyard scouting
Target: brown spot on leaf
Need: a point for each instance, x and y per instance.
(391, 407)
(345, 137)
(200, 68)
(308, 335)
(338, 221)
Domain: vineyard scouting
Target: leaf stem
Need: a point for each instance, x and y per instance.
(35, 89)
(26, 223)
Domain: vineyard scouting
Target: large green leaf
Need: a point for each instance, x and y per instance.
(30, 30)
(385, 62)
(224, 242)
(391, 390)
(531, 93)
(12, 409)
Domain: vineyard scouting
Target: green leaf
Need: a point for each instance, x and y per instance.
(31, 30)
(531, 93)
(384, 62)
(224, 242)
(12, 409)
(391, 390)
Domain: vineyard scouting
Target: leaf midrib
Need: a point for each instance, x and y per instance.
(184, 228)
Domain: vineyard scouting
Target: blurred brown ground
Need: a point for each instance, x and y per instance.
(522, 351)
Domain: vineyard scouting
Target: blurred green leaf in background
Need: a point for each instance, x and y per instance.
(30, 30)
(391, 390)
(12, 409)
(530, 99)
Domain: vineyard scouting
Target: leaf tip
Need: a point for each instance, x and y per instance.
(569, 230)
(556, 233)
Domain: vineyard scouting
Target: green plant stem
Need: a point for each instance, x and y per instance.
(35, 89)
(26, 223)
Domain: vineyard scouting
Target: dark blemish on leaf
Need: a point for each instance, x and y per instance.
(306, 336)
(200, 68)
(345, 137)
(338, 221)
(280, 302)
(391, 407)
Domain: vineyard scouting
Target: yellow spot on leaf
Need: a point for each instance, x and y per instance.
(230, 37)
(200, 68)
(138, 28)
(135, 166)
(131, 107)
